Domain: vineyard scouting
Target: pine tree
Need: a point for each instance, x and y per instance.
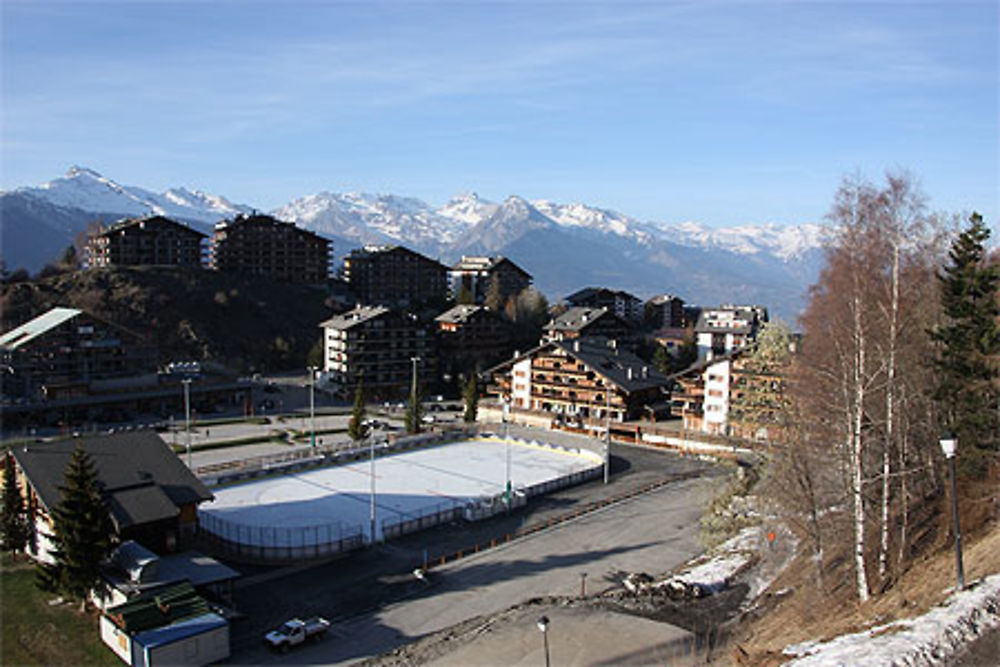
(969, 356)
(471, 399)
(14, 526)
(82, 533)
(414, 412)
(760, 401)
(356, 428)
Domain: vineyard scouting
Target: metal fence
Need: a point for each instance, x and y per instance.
(279, 543)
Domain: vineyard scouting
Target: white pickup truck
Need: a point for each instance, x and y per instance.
(295, 632)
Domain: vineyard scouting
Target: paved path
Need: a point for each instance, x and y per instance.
(653, 533)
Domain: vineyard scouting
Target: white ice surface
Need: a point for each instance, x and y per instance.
(407, 485)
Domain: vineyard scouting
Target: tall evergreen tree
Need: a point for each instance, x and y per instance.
(494, 299)
(14, 522)
(356, 428)
(969, 359)
(471, 399)
(414, 412)
(760, 402)
(81, 533)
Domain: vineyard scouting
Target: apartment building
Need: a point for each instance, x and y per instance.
(260, 245)
(395, 276)
(582, 321)
(62, 352)
(726, 328)
(580, 382)
(471, 338)
(476, 274)
(624, 305)
(150, 241)
(375, 345)
(665, 311)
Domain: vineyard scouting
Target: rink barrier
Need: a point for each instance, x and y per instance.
(280, 544)
(276, 543)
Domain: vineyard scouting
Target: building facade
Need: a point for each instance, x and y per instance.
(63, 351)
(375, 346)
(259, 245)
(152, 496)
(578, 322)
(475, 275)
(580, 382)
(726, 328)
(471, 338)
(395, 276)
(665, 311)
(626, 306)
(154, 240)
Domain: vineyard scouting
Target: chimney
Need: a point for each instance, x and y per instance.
(576, 345)
(645, 372)
(628, 372)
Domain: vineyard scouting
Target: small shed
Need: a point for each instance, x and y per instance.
(173, 626)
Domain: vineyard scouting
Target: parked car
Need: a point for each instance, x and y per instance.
(295, 632)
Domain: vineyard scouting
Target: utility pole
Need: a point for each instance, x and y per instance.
(607, 430)
(371, 452)
(312, 405)
(187, 415)
(506, 438)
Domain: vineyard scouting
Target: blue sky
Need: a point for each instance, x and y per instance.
(720, 112)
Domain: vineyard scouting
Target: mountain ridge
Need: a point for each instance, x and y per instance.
(647, 256)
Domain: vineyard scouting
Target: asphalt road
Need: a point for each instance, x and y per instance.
(377, 604)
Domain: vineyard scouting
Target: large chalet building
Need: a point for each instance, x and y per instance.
(375, 345)
(260, 245)
(395, 276)
(152, 496)
(476, 275)
(579, 382)
(150, 241)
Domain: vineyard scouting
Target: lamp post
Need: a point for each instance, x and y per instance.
(506, 439)
(607, 430)
(414, 399)
(187, 415)
(949, 443)
(312, 406)
(543, 626)
(371, 424)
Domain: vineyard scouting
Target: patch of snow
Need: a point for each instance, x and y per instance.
(923, 640)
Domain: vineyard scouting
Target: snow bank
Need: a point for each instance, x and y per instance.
(924, 640)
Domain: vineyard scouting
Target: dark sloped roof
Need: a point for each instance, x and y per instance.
(605, 358)
(577, 318)
(155, 219)
(621, 367)
(158, 609)
(142, 478)
(458, 314)
(354, 317)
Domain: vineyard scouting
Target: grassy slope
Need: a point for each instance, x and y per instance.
(244, 322)
(812, 614)
(36, 634)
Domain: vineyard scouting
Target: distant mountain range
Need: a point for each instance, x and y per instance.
(564, 246)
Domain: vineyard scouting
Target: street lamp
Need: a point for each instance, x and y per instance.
(949, 443)
(543, 625)
(312, 405)
(506, 439)
(607, 430)
(371, 424)
(187, 415)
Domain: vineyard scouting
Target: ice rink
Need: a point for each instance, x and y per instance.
(311, 506)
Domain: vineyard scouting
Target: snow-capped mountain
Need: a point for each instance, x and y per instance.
(87, 190)
(781, 241)
(565, 246)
